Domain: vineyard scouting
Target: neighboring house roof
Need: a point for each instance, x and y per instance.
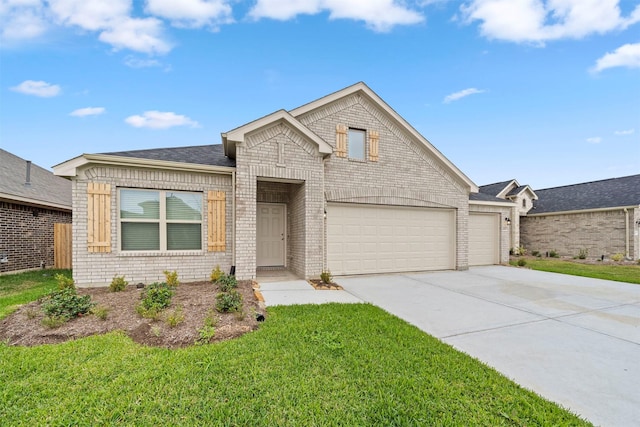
(212, 155)
(495, 189)
(608, 193)
(44, 188)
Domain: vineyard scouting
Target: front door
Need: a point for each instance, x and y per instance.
(270, 235)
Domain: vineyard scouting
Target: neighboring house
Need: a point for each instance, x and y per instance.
(602, 217)
(32, 200)
(343, 184)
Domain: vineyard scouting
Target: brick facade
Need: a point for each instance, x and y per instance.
(97, 269)
(600, 232)
(27, 236)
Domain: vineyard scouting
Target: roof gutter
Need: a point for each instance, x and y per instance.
(33, 202)
(578, 211)
(488, 203)
(70, 167)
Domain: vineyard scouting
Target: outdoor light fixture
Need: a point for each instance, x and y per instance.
(507, 221)
(4, 258)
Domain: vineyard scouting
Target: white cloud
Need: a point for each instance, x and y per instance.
(627, 55)
(37, 88)
(624, 132)
(88, 111)
(542, 20)
(141, 35)
(94, 15)
(21, 19)
(379, 15)
(160, 120)
(594, 140)
(192, 13)
(461, 94)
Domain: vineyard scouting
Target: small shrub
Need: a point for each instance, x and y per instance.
(64, 281)
(216, 274)
(156, 331)
(175, 317)
(66, 304)
(154, 298)
(118, 284)
(535, 253)
(617, 257)
(582, 253)
(31, 313)
(172, 278)
(520, 251)
(326, 277)
(100, 312)
(553, 254)
(229, 301)
(208, 330)
(522, 262)
(227, 282)
(53, 321)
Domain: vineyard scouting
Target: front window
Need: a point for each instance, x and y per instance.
(356, 144)
(160, 220)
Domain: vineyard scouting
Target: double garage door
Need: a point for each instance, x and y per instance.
(384, 239)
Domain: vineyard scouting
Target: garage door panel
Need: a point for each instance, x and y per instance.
(484, 239)
(378, 239)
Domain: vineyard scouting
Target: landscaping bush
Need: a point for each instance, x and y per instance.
(155, 298)
(553, 254)
(227, 282)
(617, 257)
(216, 274)
(118, 284)
(66, 304)
(172, 278)
(175, 318)
(229, 301)
(535, 253)
(326, 277)
(522, 262)
(64, 281)
(582, 254)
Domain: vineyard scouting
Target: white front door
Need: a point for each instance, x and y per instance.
(270, 237)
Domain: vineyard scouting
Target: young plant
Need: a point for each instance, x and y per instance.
(553, 254)
(229, 301)
(100, 312)
(582, 254)
(172, 278)
(155, 298)
(208, 331)
(64, 281)
(227, 282)
(216, 274)
(66, 304)
(175, 317)
(522, 262)
(326, 277)
(118, 284)
(617, 257)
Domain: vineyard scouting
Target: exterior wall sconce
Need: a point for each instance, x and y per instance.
(507, 221)
(4, 258)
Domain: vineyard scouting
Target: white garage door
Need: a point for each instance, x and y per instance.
(384, 239)
(484, 239)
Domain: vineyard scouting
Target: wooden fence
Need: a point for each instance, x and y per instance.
(62, 245)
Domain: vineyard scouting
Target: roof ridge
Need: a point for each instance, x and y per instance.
(588, 182)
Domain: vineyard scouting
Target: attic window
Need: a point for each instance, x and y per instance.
(356, 144)
(524, 203)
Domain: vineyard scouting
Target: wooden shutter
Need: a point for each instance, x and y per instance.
(341, 140)
(99, 217)
(374, 138)
(217, 229)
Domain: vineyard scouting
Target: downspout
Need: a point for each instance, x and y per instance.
(324, 219)
(233, 219)
(626, 232)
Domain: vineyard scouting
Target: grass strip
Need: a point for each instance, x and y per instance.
(618, 273)
(21, 288)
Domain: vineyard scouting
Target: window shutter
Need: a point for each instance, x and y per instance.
(341, 140)
(99, 217)
(217, 230)
(374, 138)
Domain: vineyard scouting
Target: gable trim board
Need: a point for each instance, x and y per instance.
(403, 183)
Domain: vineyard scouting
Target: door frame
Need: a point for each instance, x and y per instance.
(284, 225)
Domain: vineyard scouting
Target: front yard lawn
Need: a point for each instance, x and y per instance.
(618, 272)
(17, 289)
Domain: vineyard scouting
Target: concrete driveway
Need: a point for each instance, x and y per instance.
(573, 340)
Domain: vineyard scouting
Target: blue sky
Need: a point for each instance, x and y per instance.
(544, 91)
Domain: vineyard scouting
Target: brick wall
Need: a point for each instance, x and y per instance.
(601, 233)
(97, 269)
(26, 235)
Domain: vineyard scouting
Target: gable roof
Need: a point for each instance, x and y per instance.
(608, 193)
(365, 91)
(483, 197)
(496, 188)
(212, 155)
(45, 189)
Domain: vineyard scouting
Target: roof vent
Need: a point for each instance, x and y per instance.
(28, 180)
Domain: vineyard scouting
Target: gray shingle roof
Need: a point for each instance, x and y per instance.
(486, 197)
(494, 189)
(212, 155)
(516, 190)
(46, 189)
(607, 193)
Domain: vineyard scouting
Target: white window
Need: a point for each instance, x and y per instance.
(160, 220)
(356, 144)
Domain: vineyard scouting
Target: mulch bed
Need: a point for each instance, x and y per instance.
(24, 327)
(318, 284)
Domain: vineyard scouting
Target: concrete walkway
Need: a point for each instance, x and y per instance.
(301, 292)
(573, 340)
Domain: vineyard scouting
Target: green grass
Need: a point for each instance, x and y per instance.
(620, 273)
(18, 289)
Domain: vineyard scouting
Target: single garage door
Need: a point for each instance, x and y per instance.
(385, 239)
(484, 239)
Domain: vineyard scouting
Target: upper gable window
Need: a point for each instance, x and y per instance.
(356, 144)
(524, 203)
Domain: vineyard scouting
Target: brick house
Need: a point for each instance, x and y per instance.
(32, 200)
(343, 184)
(602, 217)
